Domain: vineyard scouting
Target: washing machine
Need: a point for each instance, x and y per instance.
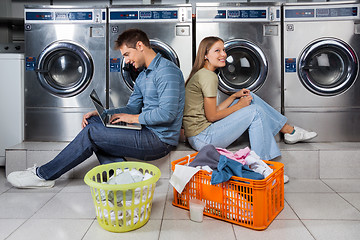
(65, 59)
(252, 36)
(321, 73)
(169, 28)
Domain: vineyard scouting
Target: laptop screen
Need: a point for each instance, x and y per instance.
(99, 106)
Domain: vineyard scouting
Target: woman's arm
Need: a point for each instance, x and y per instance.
(214, 113)
(232, 98)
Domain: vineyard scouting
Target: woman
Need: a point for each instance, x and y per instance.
(205, 122)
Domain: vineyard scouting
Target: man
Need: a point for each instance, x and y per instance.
(157, 103)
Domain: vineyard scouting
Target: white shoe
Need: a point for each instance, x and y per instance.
(28, 179)
(286, 179)
(298, 136)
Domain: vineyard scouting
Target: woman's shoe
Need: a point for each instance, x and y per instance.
(298, 136)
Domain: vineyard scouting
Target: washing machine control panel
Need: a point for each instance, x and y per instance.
(64, 15)
(246, 13)
(180, 14)
(322, 13)
(259, 14)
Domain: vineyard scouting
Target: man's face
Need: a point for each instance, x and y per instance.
(133, 56)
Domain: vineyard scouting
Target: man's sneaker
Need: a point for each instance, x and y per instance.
(298, 136)
(28, 179)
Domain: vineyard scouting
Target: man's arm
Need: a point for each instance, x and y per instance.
(134, 105)
(168, 89)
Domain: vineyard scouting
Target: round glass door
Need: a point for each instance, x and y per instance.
(130, 73)
(328, 67)
(64, 68)
(246, 67)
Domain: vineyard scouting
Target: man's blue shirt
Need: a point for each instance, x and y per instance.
(159, 98)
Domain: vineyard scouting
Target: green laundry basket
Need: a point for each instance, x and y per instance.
(122, 207)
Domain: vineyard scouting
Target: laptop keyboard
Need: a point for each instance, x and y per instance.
(119, 123)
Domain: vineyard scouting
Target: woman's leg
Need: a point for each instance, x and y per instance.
(263, 122)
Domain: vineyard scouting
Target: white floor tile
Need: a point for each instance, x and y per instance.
(76, 185)
(278, 229)
(68, 205)
(339, 164)
(7, 226)
(157, 209)
(321, 206)
(162, 185)
(306, 185)
(333, 230)
(54, 229)
(4, 185)
(22, 205)
(189, 230)
(352, 198)
(301, 164)
(150, 231)
(287, 213)
(59, 185)
(172, 212)
(344, 185)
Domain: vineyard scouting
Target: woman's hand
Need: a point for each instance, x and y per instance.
(86, 116)
(244, 101)
(243, 92)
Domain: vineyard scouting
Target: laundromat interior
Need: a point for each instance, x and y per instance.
(301, 57)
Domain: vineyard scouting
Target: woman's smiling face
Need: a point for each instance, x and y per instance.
(216, 57)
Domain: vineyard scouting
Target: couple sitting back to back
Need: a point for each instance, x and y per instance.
(160, 102)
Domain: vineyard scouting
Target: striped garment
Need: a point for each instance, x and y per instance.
(159, 97)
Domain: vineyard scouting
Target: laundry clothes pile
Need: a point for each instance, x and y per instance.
(121, 198)
(223, 164)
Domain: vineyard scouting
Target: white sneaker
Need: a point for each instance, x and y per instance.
(286, 179)
(28, 179)
(298, 136)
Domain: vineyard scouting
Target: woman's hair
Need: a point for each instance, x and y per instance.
(204, 48)
(130, 38)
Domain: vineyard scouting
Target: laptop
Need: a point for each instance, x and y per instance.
(105, 117)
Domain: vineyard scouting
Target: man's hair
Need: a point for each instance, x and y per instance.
(130, 38)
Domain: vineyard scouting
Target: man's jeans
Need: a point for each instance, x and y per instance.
(109, 145)
(262, 121)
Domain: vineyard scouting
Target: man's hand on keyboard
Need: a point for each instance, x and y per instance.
(124, 117)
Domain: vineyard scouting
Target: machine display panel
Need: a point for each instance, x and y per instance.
(246, 14)
(337, 12)
(124, 15)
(158, 14)
(299, 13)
(39, 16)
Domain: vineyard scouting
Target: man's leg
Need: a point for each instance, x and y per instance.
(115, 142)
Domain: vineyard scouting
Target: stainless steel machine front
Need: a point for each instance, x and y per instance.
(65, 58)
(252, 35)
(321, 73)
(169, 28)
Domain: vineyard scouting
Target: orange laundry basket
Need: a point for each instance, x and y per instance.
(246, 202)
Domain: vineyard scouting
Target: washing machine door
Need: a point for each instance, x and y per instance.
(246, 67)
(130, 73)
(64, 68)
(328, 67)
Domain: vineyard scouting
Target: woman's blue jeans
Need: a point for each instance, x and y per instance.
(263, 122)
(109, 145)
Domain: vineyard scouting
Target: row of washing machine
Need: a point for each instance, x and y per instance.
(300, 58)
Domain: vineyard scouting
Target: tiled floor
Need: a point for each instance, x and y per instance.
(314, 209)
